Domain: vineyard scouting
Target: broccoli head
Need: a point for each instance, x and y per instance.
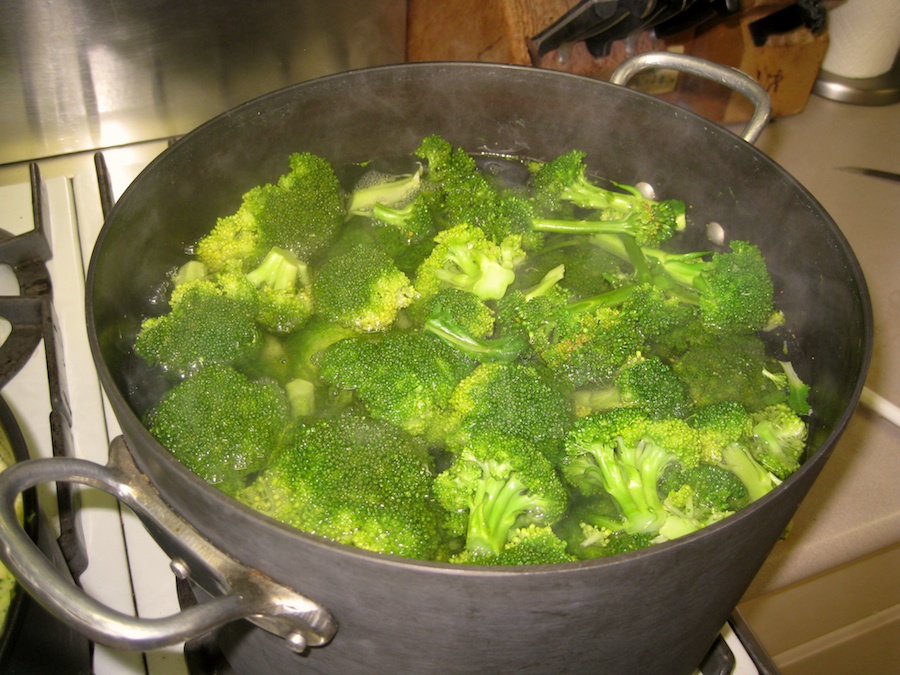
(465, 308)
(780, 435)
(726, 430)
(220, 424)
(530, 545)
(645, 383)
(562, 182)
(405, 379)
(729, 367)
(465, 258)
(302, 212)
(355, 481)
(502, 483)
(360, 287)
(624, 453)
(285, 297)
(211, 320)
(513, 399)
(300, 351)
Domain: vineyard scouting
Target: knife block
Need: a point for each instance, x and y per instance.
(786, 66)
(497, 31)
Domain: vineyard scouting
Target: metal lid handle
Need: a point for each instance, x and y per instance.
(732, 78)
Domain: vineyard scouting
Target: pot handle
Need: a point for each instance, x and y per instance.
(245, 593)
(727, 76)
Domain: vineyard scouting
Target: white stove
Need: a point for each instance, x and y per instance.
(126, 570)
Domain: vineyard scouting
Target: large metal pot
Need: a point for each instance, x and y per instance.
(654, 611)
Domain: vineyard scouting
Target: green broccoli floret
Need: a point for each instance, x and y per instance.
(355, 481)
(285, 296)
(377, 188)
(586, 347)
(780, 436)
(220, 424)
(713, 488)
(512, 399)
(407, 233)
(646, 384)
(469, 195)
(413, 222)
(597, 541)
(588, 341)
(729, 367)
(530, 312)
(466, 194)
(361, 288)
(302, 212)
(405, 379)
(625, 454)
(465, 258)
(733, 289)
(438, 155)
(210, 320)
(531, 545)
(626, 211)
(464, 307)
(590, 270)
(503, 483)
(726, 435)
(233, 241)
(684, 514)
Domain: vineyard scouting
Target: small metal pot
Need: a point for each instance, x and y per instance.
(653, 611)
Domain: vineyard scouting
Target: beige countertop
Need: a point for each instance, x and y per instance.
(854, 507)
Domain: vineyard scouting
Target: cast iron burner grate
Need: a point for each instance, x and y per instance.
(32, 320)
(35, 637)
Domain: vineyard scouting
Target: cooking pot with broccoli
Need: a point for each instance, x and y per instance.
(449, 350)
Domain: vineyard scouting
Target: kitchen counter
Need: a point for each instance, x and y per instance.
(827, 600)
(854, 507)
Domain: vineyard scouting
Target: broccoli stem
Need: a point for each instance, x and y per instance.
(190, 271)
(392, 191)
(302, 397)
(505, 349)
(620, 226)
(611, 298)
(755, 478)
(280, 270)
(395, 217)
(549, 280)
(493, 514)
(631, 476)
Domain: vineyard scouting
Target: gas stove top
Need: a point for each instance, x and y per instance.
(65, 413)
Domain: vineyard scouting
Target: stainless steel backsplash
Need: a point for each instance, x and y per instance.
(85, 74)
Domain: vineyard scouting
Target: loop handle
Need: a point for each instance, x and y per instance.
(243, 592)
(734, 79)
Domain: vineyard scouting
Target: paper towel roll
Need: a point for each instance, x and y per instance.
(864, 36)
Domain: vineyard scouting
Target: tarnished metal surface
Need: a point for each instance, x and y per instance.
(86, 74)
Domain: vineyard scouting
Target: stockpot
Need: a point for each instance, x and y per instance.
(315, 606)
